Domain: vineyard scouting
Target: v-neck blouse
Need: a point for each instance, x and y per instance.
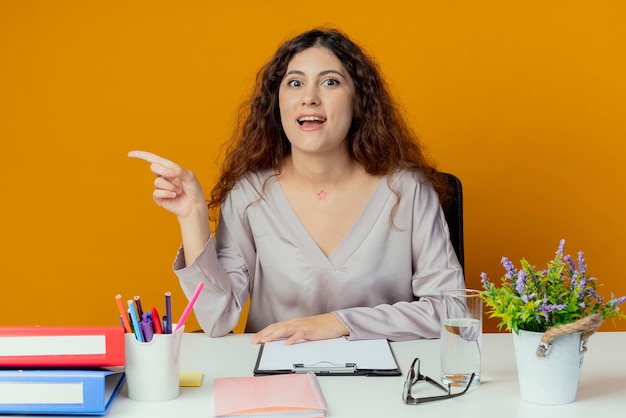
(383, 280)
(316, 257)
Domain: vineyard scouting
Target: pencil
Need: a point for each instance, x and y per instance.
(138, 306)
(120, 306)
(133, 315)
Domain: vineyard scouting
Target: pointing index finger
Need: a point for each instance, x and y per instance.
(149, 157)
(158, 165)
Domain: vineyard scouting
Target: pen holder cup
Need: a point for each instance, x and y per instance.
(153, 368)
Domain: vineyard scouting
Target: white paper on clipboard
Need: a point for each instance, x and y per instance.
(365, 354)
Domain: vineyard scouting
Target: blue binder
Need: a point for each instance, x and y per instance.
(58, 391)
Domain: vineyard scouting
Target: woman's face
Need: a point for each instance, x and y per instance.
(316, 100)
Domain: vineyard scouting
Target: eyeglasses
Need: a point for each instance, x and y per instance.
(414, 376)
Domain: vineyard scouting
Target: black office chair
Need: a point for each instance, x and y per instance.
(453, 211)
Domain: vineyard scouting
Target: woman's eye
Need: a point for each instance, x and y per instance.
(294, 83)
(330, 82)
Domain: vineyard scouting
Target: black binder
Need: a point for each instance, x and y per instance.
(334, 357)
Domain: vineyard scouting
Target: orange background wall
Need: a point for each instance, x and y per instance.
(524, 100)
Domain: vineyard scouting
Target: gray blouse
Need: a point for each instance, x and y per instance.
(382, 281)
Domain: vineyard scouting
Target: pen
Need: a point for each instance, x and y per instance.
(130, 321)
(138, 305)
(167, 326)
(146, 328)
(156, 321)
(187, 310)
(133, 315)
(120, 307)
(165, 321)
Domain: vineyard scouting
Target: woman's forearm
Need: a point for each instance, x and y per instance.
(195, 232)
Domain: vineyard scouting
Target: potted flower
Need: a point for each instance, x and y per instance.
(552, 310)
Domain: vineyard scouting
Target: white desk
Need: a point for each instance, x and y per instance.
(601, 392)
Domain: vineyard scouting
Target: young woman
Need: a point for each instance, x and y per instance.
(329, 212)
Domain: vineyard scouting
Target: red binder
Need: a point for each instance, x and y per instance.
(51, 346)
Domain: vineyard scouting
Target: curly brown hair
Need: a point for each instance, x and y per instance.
(379, 138)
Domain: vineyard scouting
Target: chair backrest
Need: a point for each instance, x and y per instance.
(453, 211)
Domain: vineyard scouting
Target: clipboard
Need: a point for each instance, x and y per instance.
(332, 357)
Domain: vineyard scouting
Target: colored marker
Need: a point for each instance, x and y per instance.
(146, 328)
(187, 310)
(167, 326)
(133, 315)
(124, 317)
(156, 321)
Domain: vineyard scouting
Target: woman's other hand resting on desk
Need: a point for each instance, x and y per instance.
(318, 327)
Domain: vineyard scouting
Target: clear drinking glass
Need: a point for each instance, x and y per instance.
(461, 332)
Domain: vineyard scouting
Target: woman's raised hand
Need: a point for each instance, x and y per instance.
(175, 188)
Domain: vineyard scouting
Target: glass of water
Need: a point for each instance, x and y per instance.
(461, 332)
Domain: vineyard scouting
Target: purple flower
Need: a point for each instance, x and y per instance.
(614, 302)
(591, 292)
(582, 284)
(570, 262)
(521, 282)
(582, 266)
(509, 267)
(620, 300)
(561, 246)
(547, 308)
(484, 279)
